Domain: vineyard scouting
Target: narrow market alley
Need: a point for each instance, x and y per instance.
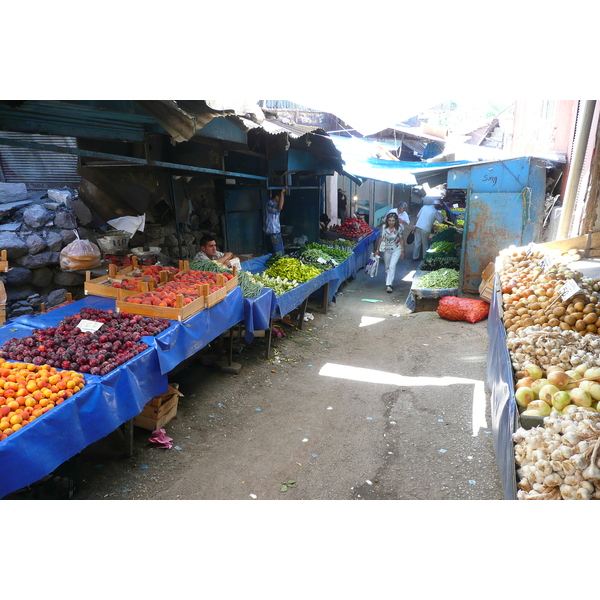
(365, 401)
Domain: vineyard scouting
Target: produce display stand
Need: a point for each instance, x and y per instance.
(101, 407)
(422, 299)
(501, 380)
(105, 403)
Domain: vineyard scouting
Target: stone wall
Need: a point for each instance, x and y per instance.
(35, 227)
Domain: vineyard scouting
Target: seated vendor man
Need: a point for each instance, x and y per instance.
(208, 251)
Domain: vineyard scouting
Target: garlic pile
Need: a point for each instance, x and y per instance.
(559, 459)
(545, 347)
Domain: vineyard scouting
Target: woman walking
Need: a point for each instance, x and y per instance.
(391, 242)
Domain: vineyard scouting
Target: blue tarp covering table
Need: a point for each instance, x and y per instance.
(185, 338)
(257, 313)
(500, 380)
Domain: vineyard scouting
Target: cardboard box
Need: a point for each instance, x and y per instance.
(160, 410)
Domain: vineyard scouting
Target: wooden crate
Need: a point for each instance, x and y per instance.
(3, 261)
(486, 287)
(179, 313)
(160, 410)
(126, 273)
(100, 286)
(2, 314)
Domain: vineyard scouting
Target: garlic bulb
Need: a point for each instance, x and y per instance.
(559, 460)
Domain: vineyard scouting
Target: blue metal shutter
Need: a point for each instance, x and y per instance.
(39, 169)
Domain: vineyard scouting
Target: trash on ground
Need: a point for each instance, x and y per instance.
(286, 485)
(160, 437)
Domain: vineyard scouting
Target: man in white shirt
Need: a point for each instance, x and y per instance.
(208, 251)
(427, 216)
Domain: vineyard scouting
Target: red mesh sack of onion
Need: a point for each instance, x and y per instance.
(463, 309)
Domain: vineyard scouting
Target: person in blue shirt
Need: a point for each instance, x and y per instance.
(273, 227)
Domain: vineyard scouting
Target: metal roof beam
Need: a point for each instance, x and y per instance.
(130, 160)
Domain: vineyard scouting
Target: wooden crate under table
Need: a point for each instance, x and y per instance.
(160, 410)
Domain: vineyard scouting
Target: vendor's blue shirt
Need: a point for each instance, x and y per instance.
(273, 211)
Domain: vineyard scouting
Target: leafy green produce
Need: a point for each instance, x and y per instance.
(439, 280)
(292, 269)
(337, 253)
(340, 243)
(444, 248)
(433, 263)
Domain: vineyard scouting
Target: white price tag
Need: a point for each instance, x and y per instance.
(546, 263)
(321, 260)
(569, 290)
(530, 249)
(86, 325)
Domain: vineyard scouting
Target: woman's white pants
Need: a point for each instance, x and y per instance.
(391, 258)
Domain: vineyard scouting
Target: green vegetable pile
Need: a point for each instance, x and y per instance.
(439, 280)
(341, 243)
(315, 258)
(433, 263)
(293, 270)
(277, 284)
(444, 248)
(337, 253)
(250, 289)
(209, 265)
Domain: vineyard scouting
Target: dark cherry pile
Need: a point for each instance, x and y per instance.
(67, 347)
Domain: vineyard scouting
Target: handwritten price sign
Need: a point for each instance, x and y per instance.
(569, 290)
(546, 263)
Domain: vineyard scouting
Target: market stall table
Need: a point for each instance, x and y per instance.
(104, 404)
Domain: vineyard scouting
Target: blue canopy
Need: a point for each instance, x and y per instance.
(357, 156)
